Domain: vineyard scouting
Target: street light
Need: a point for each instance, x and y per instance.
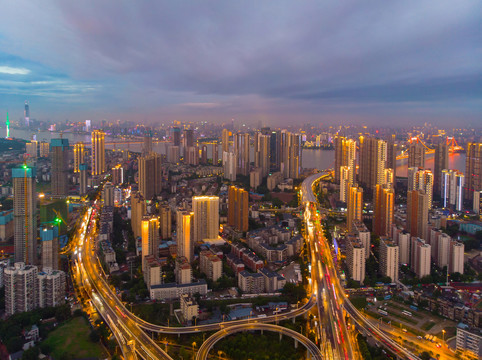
(443, 336)
(193, 353)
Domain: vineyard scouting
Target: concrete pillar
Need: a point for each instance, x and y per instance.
(293, 320)
(280, 336)
(296, 344)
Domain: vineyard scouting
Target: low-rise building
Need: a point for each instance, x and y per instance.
(189, 307)
(273, 282)
(251, 283)
(211, 265)
(174, 291)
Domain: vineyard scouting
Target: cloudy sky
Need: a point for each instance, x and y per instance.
(279, 62)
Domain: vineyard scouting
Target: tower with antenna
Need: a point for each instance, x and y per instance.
(7, 123)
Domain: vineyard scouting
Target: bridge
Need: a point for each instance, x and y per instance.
(451, 142)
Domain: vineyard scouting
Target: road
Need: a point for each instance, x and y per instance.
(86, 271)
(207, 345)
(333, 296)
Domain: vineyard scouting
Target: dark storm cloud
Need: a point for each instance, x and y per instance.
(230, 54)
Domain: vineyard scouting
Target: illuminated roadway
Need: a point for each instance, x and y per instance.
(207, 345)
(331, 297)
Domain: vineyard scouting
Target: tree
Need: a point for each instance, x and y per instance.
(425, 356)
(94, 336)
(31, 354)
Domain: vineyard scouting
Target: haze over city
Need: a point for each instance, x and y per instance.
(274, 62)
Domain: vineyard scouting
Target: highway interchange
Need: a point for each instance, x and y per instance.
(132, 333)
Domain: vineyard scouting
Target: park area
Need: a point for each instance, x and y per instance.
(71, 341)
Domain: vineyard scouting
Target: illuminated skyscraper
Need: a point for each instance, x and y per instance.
(452, 188)
(60, 166)
(206, 217)
(354, 210)
(346, 181)
(188, 140)
(108, 194)
(473, 170)
(150, 175)
(417, 213)
(262, 153)
(241, 149)
(345, 155)
(384, 202)
(79, 155)
(25, 215)
(420, 179)
(238, 208)
(373, 162)
(7, 125)
(138, 210)
(229, 161)
(291, 155)
(392, 149)
(150, 238)
(26, 114)
(98, 152)
(225, 140)
(416, 153)
(441, 163)
(185, 235)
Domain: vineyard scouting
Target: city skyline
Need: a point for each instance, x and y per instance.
(270, 63)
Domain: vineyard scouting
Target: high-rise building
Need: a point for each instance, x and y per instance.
(206, 217)
(176, 136)
(26, 114)
(389, 258)
(150, 175)
(452, 188)
(188, 140)
(60, 166)
(229, 161)
(108, 194)
(383, 209)
(403, 242)
(225, 140)
(420, 179)
(183, 270)
(185, 235)
(473, 170)
(345, 155)
(355, 258)
(392, 149)
(165, 218)
(417, 213)
(262, 153)
(147, 145)
(117, 175)
(441, 163)
(191, 155)
(442, 245)
(204, 155)
(173, 154)
(25, 214)
(138, 210)
(416, 153)
(421, 254)
(363, 234)
(354, 209)
(20, 285)
(477, 203)
(98, 152)
(215, 152)
(346, 181)
(49, 236)
(150, 238)
(79, 155)
(291, 155)
(50, 288)
(83, 179)
(373, 162)
(238, 208)
(241, 149)
(456, 258)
